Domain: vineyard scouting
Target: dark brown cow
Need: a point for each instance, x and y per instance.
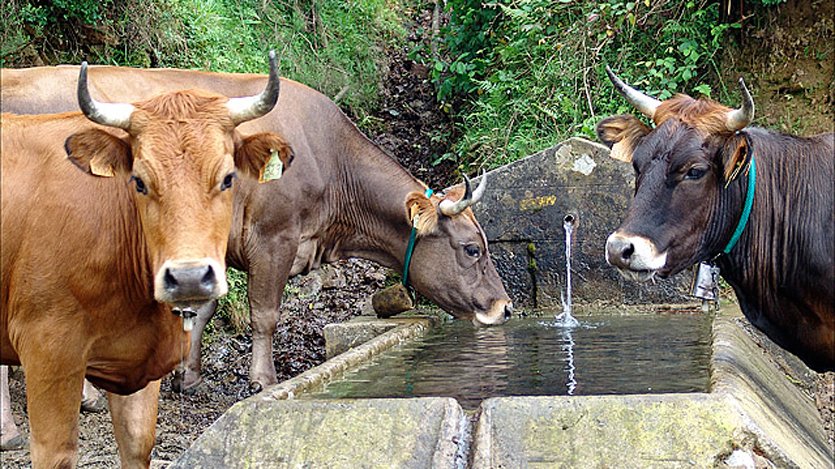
(345, 198)
(92, 260)
(693, 172)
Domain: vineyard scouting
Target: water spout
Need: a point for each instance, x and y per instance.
(565, 319)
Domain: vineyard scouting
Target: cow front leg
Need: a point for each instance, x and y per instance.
(187, 375)
(134, 424)
(10, 436)
(267, 277)
(53, 397)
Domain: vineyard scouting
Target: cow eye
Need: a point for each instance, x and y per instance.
(472, 250)
(140, 185)
(695, 173)
(227, 181)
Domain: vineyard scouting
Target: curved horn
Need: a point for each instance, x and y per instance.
(478, 193)
(642, 102)
(738, 119)
(450, 208)
(110, 114)
(252, 107)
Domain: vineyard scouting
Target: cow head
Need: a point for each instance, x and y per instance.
(678, 215)
(452, 266)
(180, 154)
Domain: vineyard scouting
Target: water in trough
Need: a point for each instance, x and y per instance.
(605, 354)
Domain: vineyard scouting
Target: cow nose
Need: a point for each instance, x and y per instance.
(508, 310)
(619, 251)
(196, 282)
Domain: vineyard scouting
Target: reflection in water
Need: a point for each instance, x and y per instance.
(569, 349)
(604, 355)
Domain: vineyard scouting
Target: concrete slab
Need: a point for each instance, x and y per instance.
(343, 336)
(397, 433)
(751, 409)
(646, 431)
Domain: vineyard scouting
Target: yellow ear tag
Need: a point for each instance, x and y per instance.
(101, 168)
(273, 169)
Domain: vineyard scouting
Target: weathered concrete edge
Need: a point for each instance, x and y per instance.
(784, 420)
(338, 365)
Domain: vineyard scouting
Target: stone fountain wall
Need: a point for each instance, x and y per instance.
(522, 214)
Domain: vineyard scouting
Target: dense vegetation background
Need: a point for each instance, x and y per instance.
(515, 76)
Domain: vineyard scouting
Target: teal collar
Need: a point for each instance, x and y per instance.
(749, 200)
(411, 246)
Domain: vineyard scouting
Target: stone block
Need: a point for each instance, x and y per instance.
(522, 215)
(263, 433)
(343, 336)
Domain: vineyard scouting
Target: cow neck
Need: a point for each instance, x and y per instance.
(750, 170)
(376, 187)
(410, 247)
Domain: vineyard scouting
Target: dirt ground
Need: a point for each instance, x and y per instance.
(794, 92)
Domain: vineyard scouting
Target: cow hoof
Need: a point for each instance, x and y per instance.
(184, 386)
(13, 443)
(96, 405)
(256, 387)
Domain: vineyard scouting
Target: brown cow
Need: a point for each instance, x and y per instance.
(345, 198)
(92, 265)
(694, 172)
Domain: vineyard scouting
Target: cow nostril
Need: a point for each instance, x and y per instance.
(508, 311)
(208, 279)
(169, 281)
(628, 251)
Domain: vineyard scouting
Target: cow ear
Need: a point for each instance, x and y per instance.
(735, 158)
(99, 153)
(621, 134)
(264, 156)
(417, 204)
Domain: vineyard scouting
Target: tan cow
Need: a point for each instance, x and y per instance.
(93, 260)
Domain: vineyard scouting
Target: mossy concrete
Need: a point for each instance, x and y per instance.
(343, 336)
(643, 431)
(751, 407)
(396, 433)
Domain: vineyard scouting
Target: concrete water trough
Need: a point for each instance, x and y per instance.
(749, 415)
(751, 412)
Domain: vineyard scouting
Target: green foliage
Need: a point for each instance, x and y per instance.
(234, 307)
(334, 46)
(532, 73)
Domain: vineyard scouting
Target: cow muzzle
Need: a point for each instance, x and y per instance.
(636, 257)
(501, 311)
(190, 281)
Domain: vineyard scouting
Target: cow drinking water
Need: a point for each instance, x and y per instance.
(699, 174)
(93, 260)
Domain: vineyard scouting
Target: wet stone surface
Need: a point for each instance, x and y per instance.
(522, 215)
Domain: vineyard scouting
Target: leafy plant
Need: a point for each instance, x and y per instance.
(530, 73)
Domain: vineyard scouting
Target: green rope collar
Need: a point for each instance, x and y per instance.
(749, 200)
(411, 246)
